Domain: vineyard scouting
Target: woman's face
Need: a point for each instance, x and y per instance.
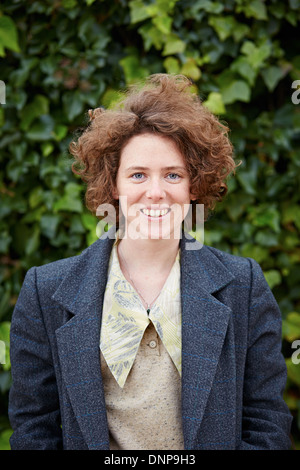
(153, 187)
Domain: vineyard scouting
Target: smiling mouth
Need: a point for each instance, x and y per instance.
(155, 212)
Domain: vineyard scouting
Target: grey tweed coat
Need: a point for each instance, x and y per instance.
(233, 372)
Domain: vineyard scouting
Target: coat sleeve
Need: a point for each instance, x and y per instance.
(33, 399)
(266, 418)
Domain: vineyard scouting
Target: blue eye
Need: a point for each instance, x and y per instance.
(173, 176)
(137, 176)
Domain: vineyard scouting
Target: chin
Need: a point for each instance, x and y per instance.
(153, 232)
(146, 228)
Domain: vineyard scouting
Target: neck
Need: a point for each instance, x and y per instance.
(153, 255)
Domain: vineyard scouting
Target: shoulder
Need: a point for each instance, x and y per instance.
(71, 270)
(216, 267)
(237, 265)
(213, 257)
(232, 262)
(60, 268)
(56, 269)
(42, 281)
(245, 270)
(50, 275)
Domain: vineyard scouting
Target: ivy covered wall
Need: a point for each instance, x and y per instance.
(60, 58)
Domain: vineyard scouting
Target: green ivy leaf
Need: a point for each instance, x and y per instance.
(249, 250)
(4, 345)
(4, 439)
(33, 240)
(236, 203)
(60, 132)
(265, 216)
(111, 97)
(171, 64)
(215, 103)
(42, 129)
(133, 69)
(291, 213)
(39, 105)
(71, 200)
(49, 224)
(256, 9)
(35, 197)
(151, 36)
(206, 5)
(223, 25)
(291, 326)
(163, 24)
(173, 45)
(8, 35)
(240, 31)
(138, 11)
(243, 68)
(267, 238)
(89, 221)
(272, 75)
(47, 148)
(69, 4)
(237, 90)
(293, 371)
(72, 104)
(256, 55)
(190, 69)
(273, 277)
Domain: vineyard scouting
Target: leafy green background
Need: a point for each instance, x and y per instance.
(60, 58)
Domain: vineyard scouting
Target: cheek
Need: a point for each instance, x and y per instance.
(129, 200)
(182, 194)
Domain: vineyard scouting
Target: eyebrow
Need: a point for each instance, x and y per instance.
(138, 168)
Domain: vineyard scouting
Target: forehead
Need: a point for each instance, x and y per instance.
(151, 150)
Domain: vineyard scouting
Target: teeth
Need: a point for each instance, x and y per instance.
(154, 213)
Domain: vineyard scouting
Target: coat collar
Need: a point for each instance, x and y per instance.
(83, 285)
(204, 325)
(201, 267)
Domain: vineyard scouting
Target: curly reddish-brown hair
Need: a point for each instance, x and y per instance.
(165, 106)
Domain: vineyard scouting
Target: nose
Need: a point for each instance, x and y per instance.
(155, 190)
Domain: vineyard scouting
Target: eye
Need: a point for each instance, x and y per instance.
(137, 176)
(173, 176)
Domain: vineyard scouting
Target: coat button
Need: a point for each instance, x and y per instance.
(153, 344)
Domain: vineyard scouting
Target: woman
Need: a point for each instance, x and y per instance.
(149, 340)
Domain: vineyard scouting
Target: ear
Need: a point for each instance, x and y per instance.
(115, 193)
(193, 196)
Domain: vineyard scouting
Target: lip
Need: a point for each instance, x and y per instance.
(156, 207)
(152, 213)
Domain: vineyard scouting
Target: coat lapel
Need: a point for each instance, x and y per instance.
(204, 326)
(81, 293)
